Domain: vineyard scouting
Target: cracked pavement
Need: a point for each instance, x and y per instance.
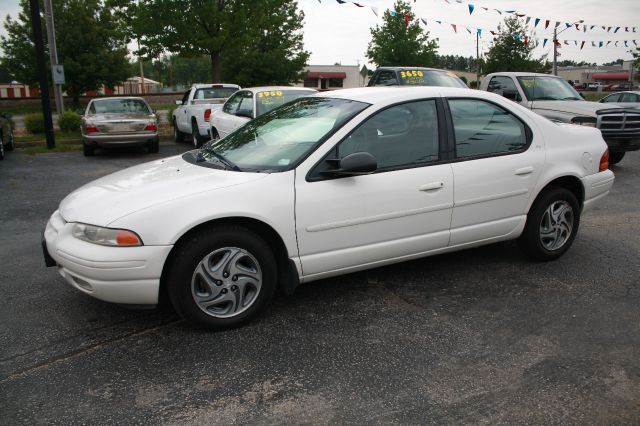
(479, 336)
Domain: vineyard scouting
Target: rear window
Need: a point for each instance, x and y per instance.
(271, 99)
(214, 92)
(426, 77)
(119, 106)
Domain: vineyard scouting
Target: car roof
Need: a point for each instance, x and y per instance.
(209, 85)
(410, 68)
(282, 88)
(374, 95)
(118, 98)
(522, 74)
(636, 92)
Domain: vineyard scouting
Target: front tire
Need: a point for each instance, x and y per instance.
(1, 149)
(222, 277)
(10, 145)
(552, 224)
(616, 157)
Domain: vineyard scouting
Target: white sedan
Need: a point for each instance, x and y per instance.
(329, 184)
(250, 103)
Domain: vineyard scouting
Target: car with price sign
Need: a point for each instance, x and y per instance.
(414, 76)
(247, 104)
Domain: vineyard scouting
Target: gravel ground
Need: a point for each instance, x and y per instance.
(479, 336)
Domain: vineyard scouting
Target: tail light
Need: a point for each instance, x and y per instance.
(604, 161)
(151, 127)
(207, 114)
(91, 128)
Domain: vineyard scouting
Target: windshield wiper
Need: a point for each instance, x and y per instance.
(545, 98)
(230, 165)
(571, 98)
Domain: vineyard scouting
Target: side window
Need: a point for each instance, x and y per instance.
(398, 136)
(92, 108)
(386, 78)
(185, 98)
(629, 97)
(246, 103)
(232, 103)
(612, 98)
(482, 128)
(504, 86)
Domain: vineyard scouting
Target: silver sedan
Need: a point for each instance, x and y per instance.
(119, 121)
(629, 99)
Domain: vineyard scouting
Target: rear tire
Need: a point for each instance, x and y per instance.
(154, 147)
(616, 157)
(552, 224)
(221, 277)
(88, 150)
(195, 134)
(1, 149)
(178, 136)
(10, 145)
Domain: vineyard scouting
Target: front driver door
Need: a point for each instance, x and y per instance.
(225, 118)
(402, 209)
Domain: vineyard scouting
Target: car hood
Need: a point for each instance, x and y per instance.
(116, 195)
(572, 107)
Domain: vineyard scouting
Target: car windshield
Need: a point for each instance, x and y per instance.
(268, 100)
(427, 77)
(119, 106)
(214, 92)
(277, 140)
(548, 89)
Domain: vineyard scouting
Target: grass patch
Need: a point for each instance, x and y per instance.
(594, 96)
(60, 147)
(27, 139)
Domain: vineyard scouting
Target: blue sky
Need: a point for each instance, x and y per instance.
(340, 33)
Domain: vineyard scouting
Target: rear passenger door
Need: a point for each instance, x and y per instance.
(497, 162)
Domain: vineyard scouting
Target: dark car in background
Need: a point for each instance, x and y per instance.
(6, 134)
(415, 76)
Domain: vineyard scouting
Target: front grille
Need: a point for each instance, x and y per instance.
(626, 124)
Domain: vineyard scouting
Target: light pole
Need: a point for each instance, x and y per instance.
(555, 44)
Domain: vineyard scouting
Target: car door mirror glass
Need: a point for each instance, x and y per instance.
(511, 94)
(358, 163)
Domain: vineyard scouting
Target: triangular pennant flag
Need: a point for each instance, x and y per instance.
(617, 28)
(407, 19)
(604, 28)
(616, 43)
(591, 27)
(581, 45)
(625, 44)
(575, 42)
(520, 15)
(526, 39)
(600, 44)
(455, 30)
(566, 42)
(439, 22)
(485, 8)
(528, 20)
(509, 11)
(609, 29)
(499, 11)
(584, 29)
(633, 29)
(341, 1)
(424, 21)
(479, 32)
(634, 42)
(626, 29)
(492, 33)
(578, 27)
(557, 23)
(357, 4)
(544, 42)
(568, 24)
(470, 8)
(374, 10)
(536, 22)
(608, 42)
(546, 24)
(516, 36)
(393, 13)
(468, 30)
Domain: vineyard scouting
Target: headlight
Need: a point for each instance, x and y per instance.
(585, 121)
(106, 236)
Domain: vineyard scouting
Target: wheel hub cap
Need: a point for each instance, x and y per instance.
(556, 225)
(226, 282)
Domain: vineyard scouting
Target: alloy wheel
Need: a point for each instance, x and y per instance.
(556, 225)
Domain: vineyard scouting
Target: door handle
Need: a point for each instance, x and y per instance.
(524, 171)
(433, 186)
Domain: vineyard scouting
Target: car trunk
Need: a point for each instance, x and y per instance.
(120, 123)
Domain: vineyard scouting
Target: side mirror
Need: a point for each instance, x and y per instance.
(358, 163)
(244, 113)
(178, 102)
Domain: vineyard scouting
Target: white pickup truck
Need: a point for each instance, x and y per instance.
(196, 106)
(554, 98)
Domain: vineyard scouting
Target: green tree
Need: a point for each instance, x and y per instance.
(90, 46)
(400, 40)
(512, 50)
(254, 40)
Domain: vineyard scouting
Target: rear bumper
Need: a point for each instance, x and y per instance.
(621, 144)
(120, 140)
(126, 275)
(596, 187)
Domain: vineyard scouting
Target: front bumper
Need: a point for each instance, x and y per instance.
(126, 275)
(596, 187)
(132, 139)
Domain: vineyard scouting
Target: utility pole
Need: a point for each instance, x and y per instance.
(141, 70)
(477, 59)
(42, 71)
(53, 53)
(555, 50)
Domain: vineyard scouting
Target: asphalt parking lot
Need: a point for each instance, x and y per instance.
(479, 336)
